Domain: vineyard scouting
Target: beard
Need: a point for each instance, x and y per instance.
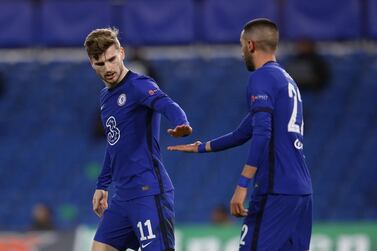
(250, 66)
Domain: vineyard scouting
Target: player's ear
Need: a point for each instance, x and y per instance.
(251, 45)
(122, 53)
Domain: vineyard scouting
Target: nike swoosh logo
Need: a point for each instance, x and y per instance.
(145, 245)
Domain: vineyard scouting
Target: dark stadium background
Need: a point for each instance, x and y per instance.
(51, 149)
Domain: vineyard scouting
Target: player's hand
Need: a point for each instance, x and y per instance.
(100, 202)
(189, 148)
(236, 204)
(180, 131)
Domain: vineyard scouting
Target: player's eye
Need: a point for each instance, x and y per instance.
(100, 64)
(112, 59)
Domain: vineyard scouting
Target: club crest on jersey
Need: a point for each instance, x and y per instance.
(122, 99)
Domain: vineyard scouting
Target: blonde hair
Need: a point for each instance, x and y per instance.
(99, 40)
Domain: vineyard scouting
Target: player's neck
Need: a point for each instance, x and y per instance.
(124, 73)
(262, 59)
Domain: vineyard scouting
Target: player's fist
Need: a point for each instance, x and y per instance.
(236, 204)
(190, 148)
(180, 131)
(100, 202)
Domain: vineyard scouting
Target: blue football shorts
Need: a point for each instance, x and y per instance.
(277, 223)
(145, 222)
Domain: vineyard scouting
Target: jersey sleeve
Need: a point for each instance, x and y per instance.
(235, 138)
(260, 92)
(104, 179)
(259, 146)
(150, 95)
(261, 104)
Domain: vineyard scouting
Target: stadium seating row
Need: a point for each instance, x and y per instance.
(25, 23)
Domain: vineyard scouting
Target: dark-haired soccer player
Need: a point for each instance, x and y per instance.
(279, 216)
(141, 213)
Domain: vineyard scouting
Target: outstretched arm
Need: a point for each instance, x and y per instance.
(174, 113)
(238, 137)
(154, 98)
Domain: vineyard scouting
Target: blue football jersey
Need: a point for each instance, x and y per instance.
(281, 167)
(130, 114)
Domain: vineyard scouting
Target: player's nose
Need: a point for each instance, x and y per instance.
(107, 67)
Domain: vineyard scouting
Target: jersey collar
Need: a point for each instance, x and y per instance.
(270, 62)
(122, 82)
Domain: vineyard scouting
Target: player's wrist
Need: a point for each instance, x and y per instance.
(244, 181)
(202, 148)
(100, 187)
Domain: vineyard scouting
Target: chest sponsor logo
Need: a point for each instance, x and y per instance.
(122, 99)
(298, 144)
(113, 134)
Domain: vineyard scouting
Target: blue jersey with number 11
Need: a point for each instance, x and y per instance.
(131, 118)
(274, 96)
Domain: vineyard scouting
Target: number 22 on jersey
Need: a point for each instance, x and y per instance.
(294, 124)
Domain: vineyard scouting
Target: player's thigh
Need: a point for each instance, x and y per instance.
(115, 229)
(250, 230)
(303, 230)
(270, 223)
(153, 221)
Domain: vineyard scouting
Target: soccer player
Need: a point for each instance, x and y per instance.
(279, 216)
(141, 213)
